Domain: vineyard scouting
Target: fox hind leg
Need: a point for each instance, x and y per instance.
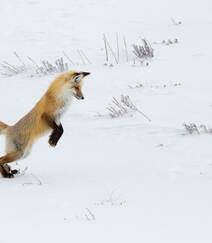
(9, 170)
(8, 158)
(5, 173)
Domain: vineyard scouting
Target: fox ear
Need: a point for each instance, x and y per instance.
(78, 77)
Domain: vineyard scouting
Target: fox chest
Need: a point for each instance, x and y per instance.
(65, 102)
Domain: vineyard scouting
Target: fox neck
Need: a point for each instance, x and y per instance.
(65, 100)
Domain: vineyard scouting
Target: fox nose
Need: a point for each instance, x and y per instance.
(82, 98)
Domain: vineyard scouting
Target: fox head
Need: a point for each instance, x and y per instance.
(74, 80)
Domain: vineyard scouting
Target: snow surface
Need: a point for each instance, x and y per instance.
(112, 180)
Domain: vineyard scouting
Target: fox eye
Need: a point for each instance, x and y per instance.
(78, 78)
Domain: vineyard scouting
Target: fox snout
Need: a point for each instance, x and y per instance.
(79, 97)
(77, 92)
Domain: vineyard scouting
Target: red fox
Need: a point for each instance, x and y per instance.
(43, 118)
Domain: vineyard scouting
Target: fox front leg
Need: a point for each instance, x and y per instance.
(56, 135)
(57, 130)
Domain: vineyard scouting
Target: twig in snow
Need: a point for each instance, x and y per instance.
(11, 70)
(119, 108)
(68, 58)
(33, 61)
(126, 50)
(81, 57)
(193, 128)
(92, 216)
(106, 50)
(127, 101)
(39, 182)
(112, 51)
(175, 22)
(117, 46)
(20, 60)
(48, 68)
(85, 56)
(144, 51)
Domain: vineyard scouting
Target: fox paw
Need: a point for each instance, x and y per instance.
(8, 175)
(15, 172)
(52, 142)
(11, 174)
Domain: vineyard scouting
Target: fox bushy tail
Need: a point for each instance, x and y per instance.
(3, 126)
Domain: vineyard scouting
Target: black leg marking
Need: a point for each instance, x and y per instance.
(56, 135)
(57, 130)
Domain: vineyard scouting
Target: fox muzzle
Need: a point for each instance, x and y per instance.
(78, 97)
